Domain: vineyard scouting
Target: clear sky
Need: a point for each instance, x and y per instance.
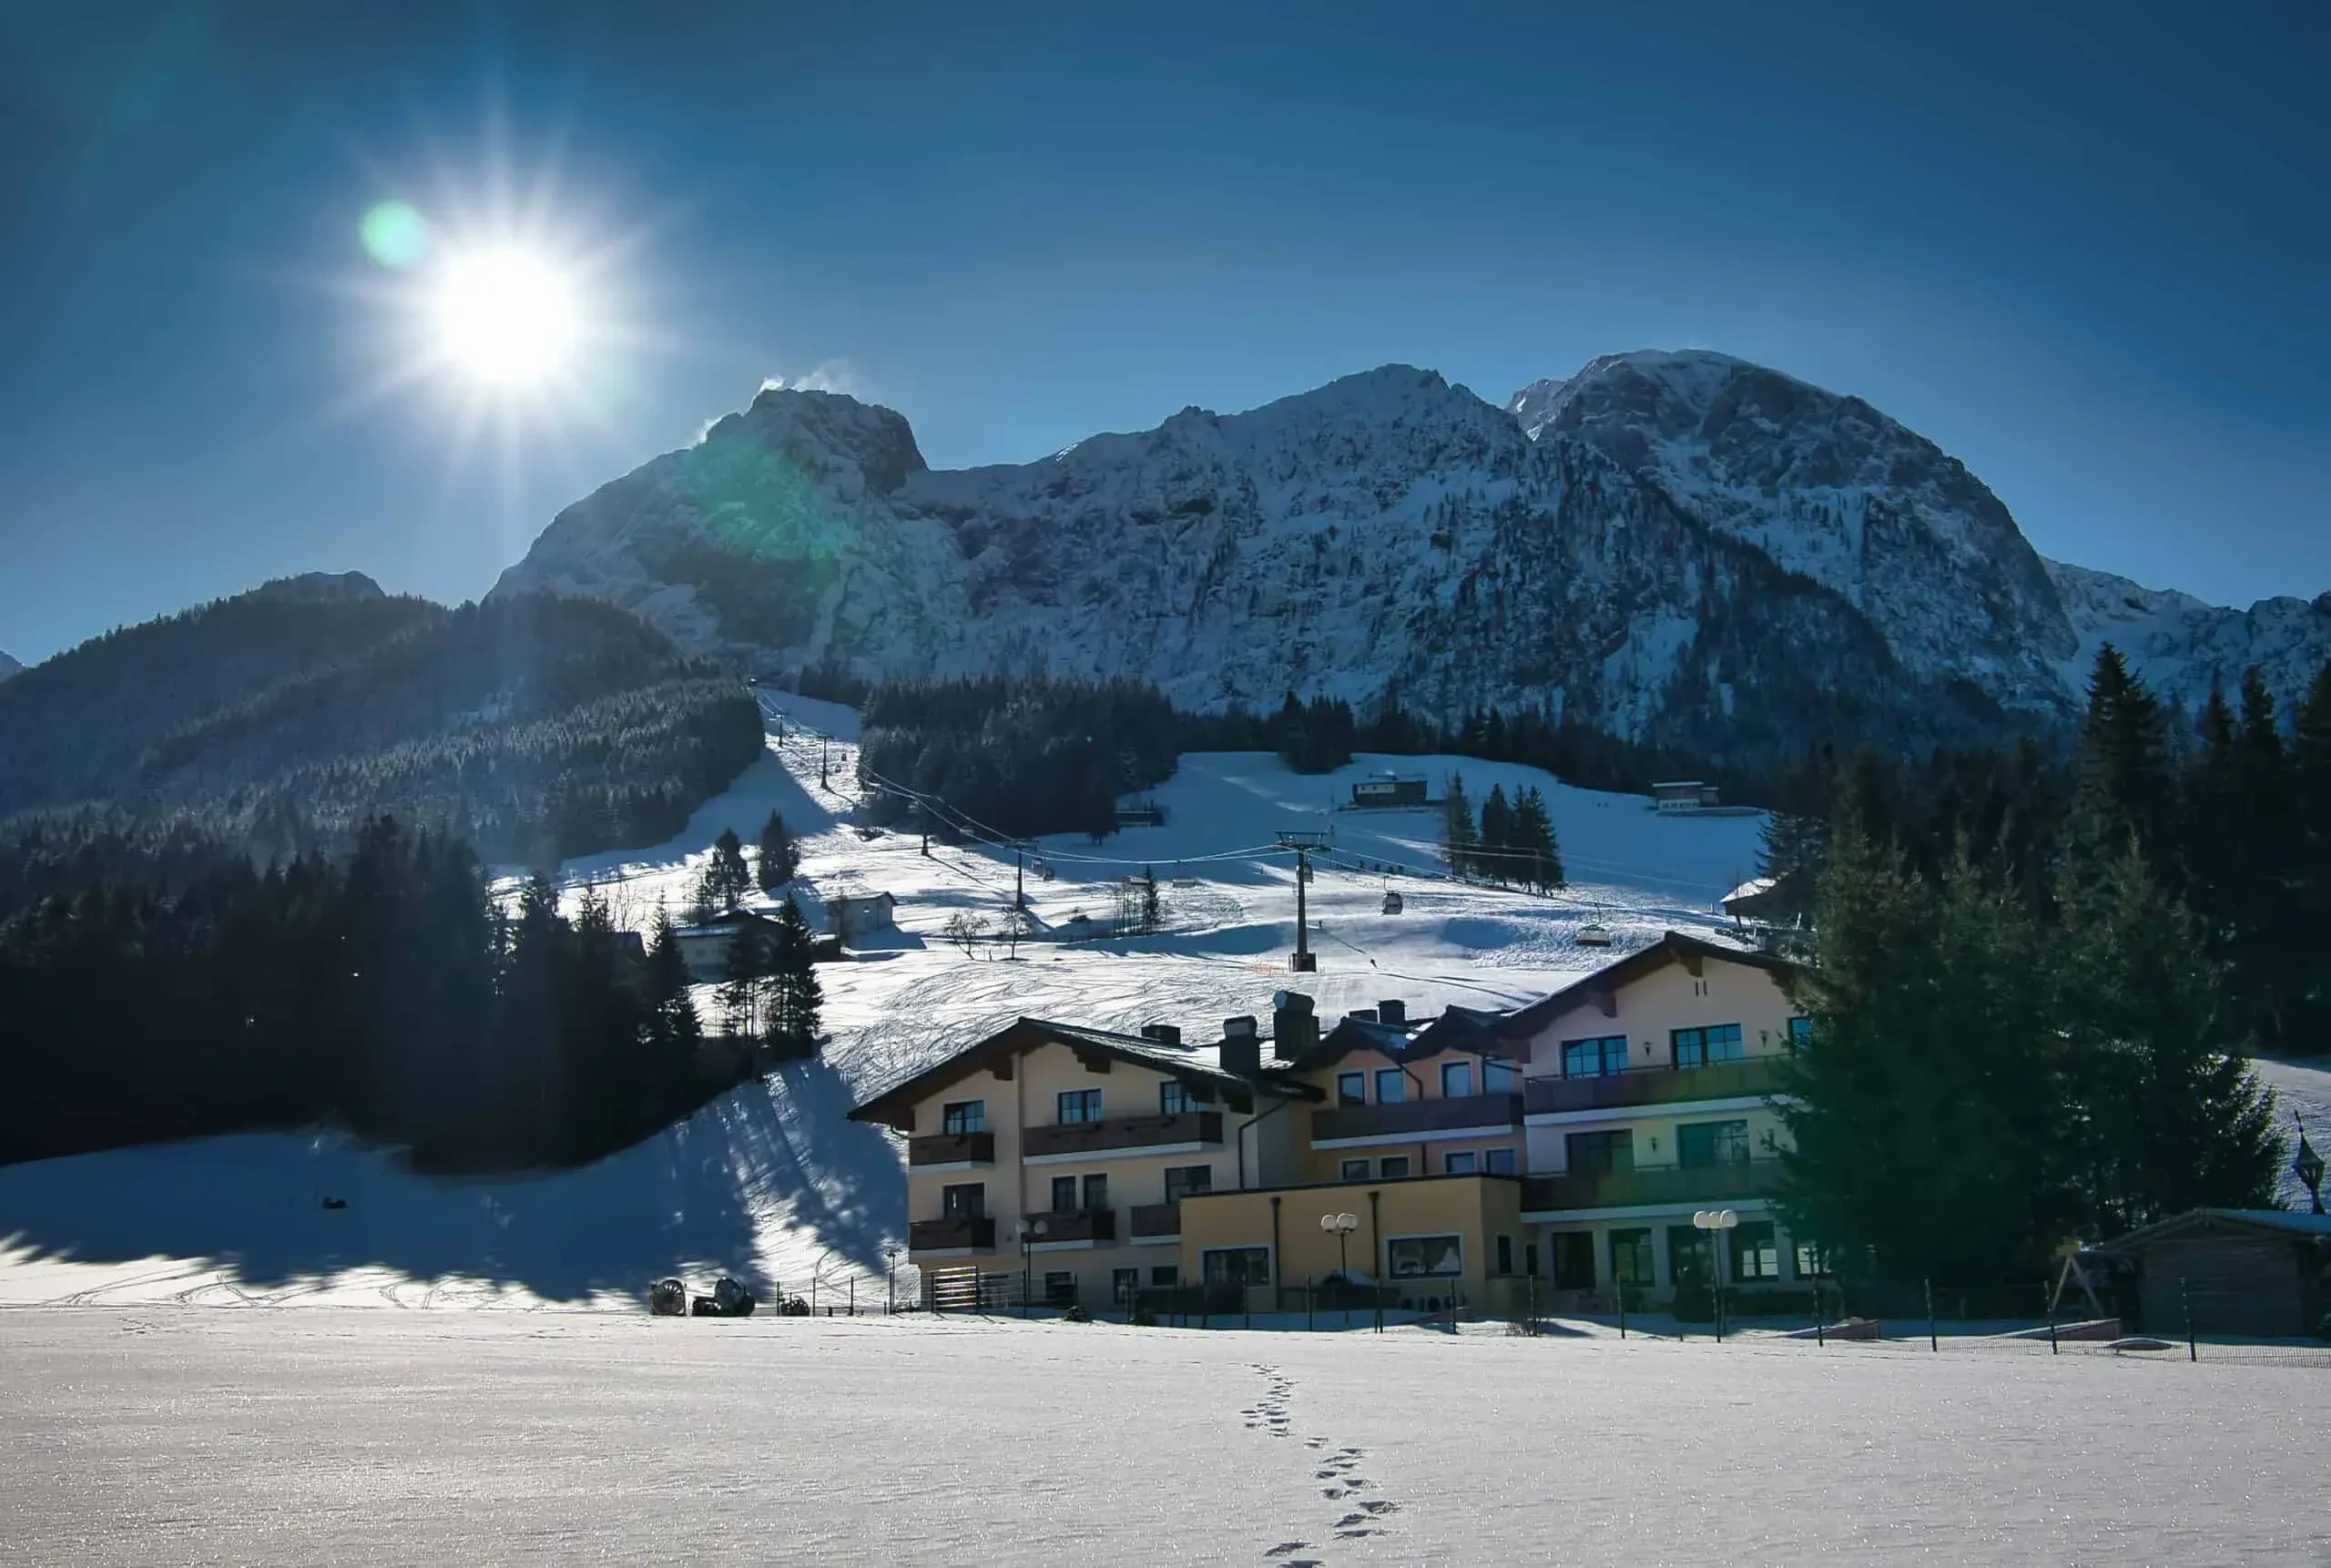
(2088, 253)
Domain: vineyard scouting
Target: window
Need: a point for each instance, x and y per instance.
(1756, 1250)
(1064, 1194)
(1706, 1047)
(966, 1116)
(1691, 1254)
(1800, 1033)
(1391, 1085)
(1502, 1161)
(1173, 1098)
(1600, 1153)
(1594, 1058)
(1498, 1078)
(1238, 1266)
(1392, 1167)
(1351, 1088)
(1630, 1258)
(1505, 1255)
(1702, 1144)
(1060, 1289)
(1096, 1192)
(1425, 1256)
(1529, 1259)
(1459, 1162)
(968, 1199)
(1183, 1180)
(1455, 1080)
(1123, 1284)
(1079, 1106)
(1164, 1277)
(1812, 1261)
(1355, 1170)
(1574, 1260)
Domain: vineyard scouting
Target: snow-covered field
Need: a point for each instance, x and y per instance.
(772, 1182)
(264, 1438)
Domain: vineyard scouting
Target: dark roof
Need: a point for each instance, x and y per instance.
(1195, 1064)
(1674, 947)
(2281, 1221)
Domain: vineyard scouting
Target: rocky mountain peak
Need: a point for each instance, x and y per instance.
(9, 667)
(320, 588)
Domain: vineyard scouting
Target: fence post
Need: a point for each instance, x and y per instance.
(2185, 1298)
(1306, 1303)
(1623, 1309)
(1931, 1343)
(853, 1295)
(2051, 1295)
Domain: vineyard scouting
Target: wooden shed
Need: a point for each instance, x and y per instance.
(2256, 1271)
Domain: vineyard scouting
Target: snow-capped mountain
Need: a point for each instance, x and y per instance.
(1681, 548)
(9, 667)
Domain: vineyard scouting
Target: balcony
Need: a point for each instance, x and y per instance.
(1154, 1220)
(1121, 1134)
(1407, 1118)
(1757, 1075)
(1650, 1184)
(1075, 1224)
(952, 1233)
(951, 1149)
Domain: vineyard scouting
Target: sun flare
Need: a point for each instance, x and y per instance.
(507, 317)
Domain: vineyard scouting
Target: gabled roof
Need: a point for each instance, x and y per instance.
(1674, 947)
(1195, 1064)
(2277, 1221)
(1470, 1029)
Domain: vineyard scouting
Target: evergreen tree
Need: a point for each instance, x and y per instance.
(743, 981)
(2311, 805)
(1534, 832)
(796, 998)
(727, 877)
(779, 862)
(1458, 835)
(1496, 855)
(674, 1031)
(1149, 910)
(2123, 790)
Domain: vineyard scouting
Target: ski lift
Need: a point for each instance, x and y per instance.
(1594, 933)
(1391, 901)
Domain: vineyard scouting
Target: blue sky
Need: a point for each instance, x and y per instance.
(2087, 252)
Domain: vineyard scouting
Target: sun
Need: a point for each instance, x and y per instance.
(508, 317)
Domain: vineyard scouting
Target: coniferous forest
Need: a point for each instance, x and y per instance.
(383, 992)
(2034, 986)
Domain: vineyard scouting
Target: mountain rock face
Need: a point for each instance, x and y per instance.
(320, 588)
(1679, 548)
(9, 667)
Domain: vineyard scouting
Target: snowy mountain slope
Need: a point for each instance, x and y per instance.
(1679, 548)
(2182, 647)
(1830, 488)
(9, 667)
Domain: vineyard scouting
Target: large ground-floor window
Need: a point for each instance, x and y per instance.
(1425, 1256)
(1630, 1258)
(1238, 1266)
(1574, 1259)
(1756, 1250)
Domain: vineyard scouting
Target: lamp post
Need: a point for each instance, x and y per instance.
(1029, 1230)
(890, 1256)
(1718, 1220)
(1340, 1227)
(2308, 1166)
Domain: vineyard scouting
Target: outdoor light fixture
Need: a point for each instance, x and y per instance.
(1340, 1227)
(1718, 1220)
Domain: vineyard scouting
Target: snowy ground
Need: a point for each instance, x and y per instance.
(170, 1435)
(772, 1182)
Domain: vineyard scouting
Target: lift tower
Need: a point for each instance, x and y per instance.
(1302, 960)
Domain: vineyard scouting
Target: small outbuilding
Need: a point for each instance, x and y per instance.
(853, 916)
(705, 947)
(1677, 796)
(2257, 1271)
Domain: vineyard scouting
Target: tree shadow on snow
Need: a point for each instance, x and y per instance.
(694, 1198)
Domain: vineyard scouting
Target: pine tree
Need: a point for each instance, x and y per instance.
(1149, 910)
(742, 980)
(796, 998)
(728, 877)
(2122, 786)
(1497, 855)
(1458, 836)
(1534, 834)
(779, 861)
(2311, 803)
(674, 1029)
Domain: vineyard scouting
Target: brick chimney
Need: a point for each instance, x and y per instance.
(1394, 1011)
(1164, 1034)
(1242, 1048)
(1295, 1027)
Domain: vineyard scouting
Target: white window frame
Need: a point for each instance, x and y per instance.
(1392, 1241)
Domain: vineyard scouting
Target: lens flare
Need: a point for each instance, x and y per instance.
(396, 236)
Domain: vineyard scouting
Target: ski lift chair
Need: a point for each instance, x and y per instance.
(1593, 934)
(1391, 901)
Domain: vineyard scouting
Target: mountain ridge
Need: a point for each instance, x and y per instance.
(1680, 547)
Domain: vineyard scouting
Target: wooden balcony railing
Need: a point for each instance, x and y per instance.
(1656, 1085)
(1403, 1117)
(1075, 1224)
(1119, 1133)
(1652, 1184)
(951, 1149)
(1154, 1220)
(952, 1233)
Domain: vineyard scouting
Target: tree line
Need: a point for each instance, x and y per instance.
(385, 992)
(2034, 988)
(1512, 842)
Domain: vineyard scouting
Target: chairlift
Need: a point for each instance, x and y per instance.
(1391, 901)
(1593, 934)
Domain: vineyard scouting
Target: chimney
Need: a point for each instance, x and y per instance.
(1365, 1014)
(1392, 1011)
(1295, 1028)
(1242, 1050)
(1164, 1034)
